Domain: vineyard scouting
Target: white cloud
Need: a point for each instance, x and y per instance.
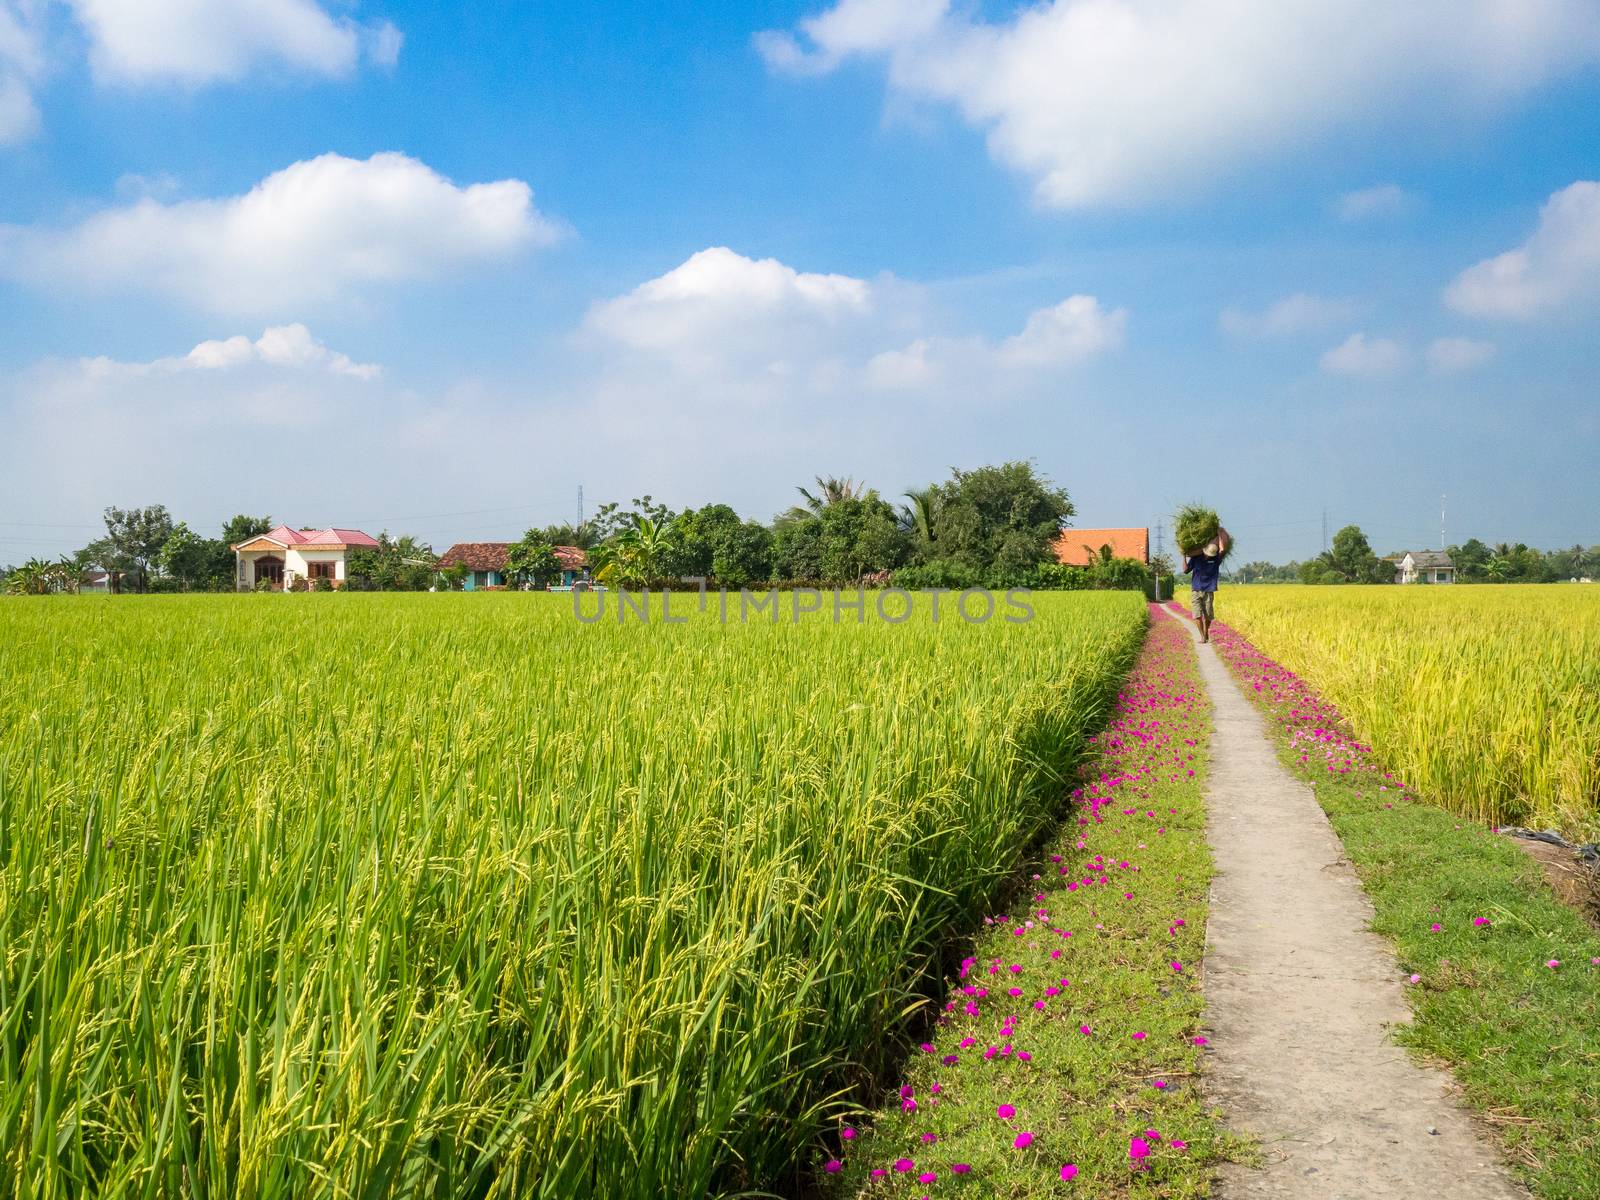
(21, 64)
(717, 293)
(1452, 355)
(1559, 264)
(289, 347)
(1073, 331)
(1064, 335)
(1123, 101)
(1384, 200)
(310, 234)
(724, 315)
(1302, 312)
(1361, 357)
(914, 366)
(205, 41)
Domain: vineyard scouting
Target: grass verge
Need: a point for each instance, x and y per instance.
(1505, 978)
(1064, 1060)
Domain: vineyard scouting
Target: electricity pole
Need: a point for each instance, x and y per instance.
(1441, 521)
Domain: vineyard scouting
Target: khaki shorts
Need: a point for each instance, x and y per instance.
(1205, 605)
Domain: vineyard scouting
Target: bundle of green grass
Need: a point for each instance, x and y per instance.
(1200, 531)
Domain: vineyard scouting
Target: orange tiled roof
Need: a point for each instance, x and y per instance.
(1124, 543)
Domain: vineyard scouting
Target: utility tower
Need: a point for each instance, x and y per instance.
(1441, 521)
(580, 506)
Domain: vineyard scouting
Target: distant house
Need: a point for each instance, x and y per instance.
(1422, 566)
(283, 555)
(101, 581)
(1081, 547)
(486, 564)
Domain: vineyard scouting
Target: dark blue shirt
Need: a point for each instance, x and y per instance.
(1203, 570)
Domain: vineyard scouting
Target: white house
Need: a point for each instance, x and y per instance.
(283, 555)
(1423, 566)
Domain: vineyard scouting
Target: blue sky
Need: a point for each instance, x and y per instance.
(433, 267)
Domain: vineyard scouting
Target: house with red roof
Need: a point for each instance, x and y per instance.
(485, 564)
(282, 555)
(1081, 547)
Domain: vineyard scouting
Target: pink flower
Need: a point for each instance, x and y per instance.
(1140, 1036)
(1200, 1041)
(848, 1134)
(1160, 1083)
(903, 1164)
(1138, 1150)
(1176, 965)
(833, 1166)
(1177, 1145)
(1069, 1172)
(1023, 1141)
(1435, 927)
(1552, 963)
(1005, 1112)
(1415, 979)
(960, 1168)
(928, 1177)
(930, 1137)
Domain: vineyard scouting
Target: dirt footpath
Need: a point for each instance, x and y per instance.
(1299, 997)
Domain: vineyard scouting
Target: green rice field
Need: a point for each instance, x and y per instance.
(451, 895)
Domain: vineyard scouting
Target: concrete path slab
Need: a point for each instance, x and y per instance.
(1299, 996)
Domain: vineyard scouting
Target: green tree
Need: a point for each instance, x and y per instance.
(643, 554)
(830, 490)
(403, 564)
(611, 520)
(189, 558)
(1471, 559)
(921, 520)
(858, 536)
(241, 528)
(1351, 559)
(714, 543)
(797, 550)
(565, 533)
(1000, 521)
(136, 536)
(533, 559)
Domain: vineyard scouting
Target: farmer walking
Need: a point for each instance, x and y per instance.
(1203, 566)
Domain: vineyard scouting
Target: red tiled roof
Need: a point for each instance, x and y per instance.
(491, 556)
(476, 556)
(1124, 543)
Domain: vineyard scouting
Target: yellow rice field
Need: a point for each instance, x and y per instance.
(1484, 698)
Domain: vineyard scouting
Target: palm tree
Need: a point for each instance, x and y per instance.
(922, 514)
(830, 490)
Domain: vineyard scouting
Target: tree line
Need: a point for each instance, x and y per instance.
(993, 526)
(1352, 560)
(145, 550)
